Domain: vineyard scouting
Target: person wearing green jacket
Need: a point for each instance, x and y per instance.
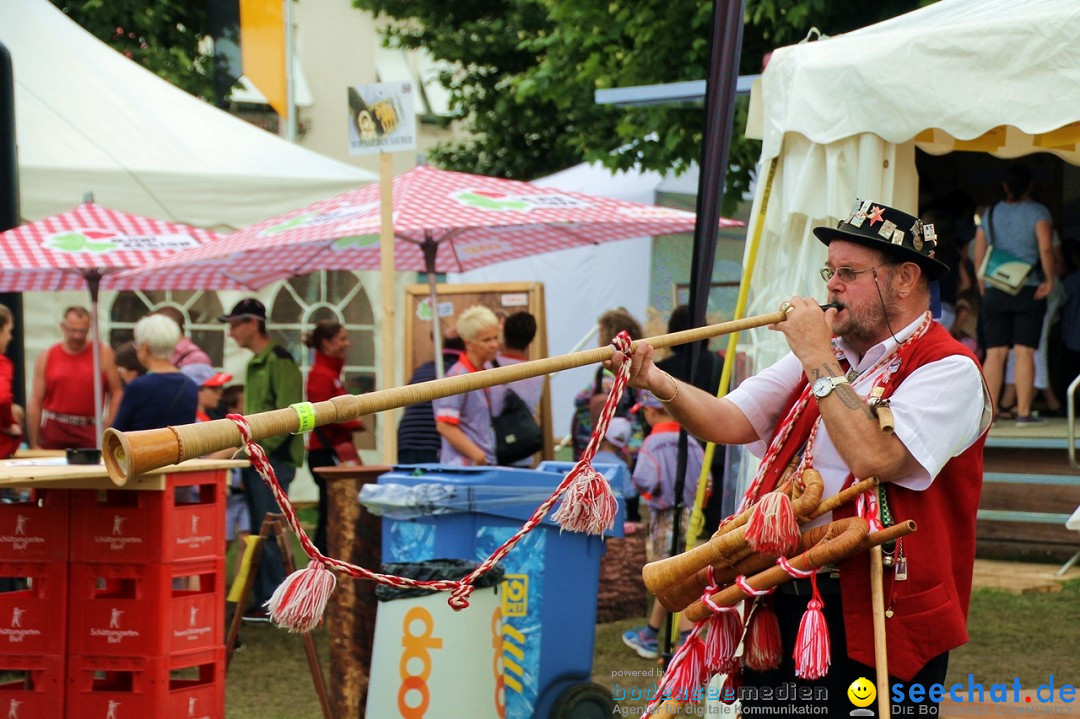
(272, 381)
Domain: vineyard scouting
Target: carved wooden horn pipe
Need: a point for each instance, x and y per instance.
(811, 558)
(130, 453)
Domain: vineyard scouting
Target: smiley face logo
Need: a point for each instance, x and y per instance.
(862, 692)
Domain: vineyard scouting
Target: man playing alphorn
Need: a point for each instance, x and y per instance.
(827, 404)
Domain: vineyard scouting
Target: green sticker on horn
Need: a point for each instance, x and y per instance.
(305, 414)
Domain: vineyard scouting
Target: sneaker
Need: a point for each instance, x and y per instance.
(259, 615)
(637, 640)
(1029, 421)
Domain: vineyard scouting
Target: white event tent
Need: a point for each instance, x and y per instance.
(841, 117)
(89, 119)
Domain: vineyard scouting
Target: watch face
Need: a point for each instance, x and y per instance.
(822, 387)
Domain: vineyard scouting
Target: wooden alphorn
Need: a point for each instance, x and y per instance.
(676, 590)
(679, 580)
(130, 453)
(699, 610)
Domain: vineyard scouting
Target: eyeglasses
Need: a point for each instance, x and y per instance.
(846, 274)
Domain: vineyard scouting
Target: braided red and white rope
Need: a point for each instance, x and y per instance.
(299, 602)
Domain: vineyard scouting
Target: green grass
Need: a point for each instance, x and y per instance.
(1029, 636)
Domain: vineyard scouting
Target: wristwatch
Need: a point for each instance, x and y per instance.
(823, 386)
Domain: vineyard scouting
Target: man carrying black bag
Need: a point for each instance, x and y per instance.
(518, 415)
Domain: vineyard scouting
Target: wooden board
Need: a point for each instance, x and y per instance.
(502, 298)
(95, 476)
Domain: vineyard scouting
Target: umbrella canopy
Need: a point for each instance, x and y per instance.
(67, 251)
(443, 222)
(89, 247)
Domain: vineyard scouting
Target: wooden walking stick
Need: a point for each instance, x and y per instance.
(131, 453)
(881, 657)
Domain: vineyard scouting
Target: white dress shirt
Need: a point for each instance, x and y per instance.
(939, 410)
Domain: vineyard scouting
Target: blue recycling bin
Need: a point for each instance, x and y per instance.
(549, 593)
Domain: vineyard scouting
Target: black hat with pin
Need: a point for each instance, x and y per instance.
(893, 232)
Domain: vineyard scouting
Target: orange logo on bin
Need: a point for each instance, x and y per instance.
(418, 648)
(497, 663)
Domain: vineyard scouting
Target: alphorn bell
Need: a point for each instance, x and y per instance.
(131, 453)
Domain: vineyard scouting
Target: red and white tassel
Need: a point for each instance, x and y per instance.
(772, 528)
(725, 630)
(763, 650)
(299, 602)
(812, 653)
(588, 506)
(729, 692)
(686, 673)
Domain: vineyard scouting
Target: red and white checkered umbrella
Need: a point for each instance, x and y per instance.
(90, 247)
(67, 251)
(463, 221)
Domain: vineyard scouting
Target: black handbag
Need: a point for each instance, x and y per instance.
(517, 435)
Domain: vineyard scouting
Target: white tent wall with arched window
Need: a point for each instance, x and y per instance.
(841, 117)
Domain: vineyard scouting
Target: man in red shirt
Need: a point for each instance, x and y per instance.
(61, 412)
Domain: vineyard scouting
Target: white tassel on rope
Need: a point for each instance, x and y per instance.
(299, 602)
(589, 506)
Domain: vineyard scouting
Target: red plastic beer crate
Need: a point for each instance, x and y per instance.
(146, 609)
(35, 529)
(32, 686)
(32, 616)
(151, 526)
(190, 685)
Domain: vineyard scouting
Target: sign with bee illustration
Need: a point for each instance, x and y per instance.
(381, 118)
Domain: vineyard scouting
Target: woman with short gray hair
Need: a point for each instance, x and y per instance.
(163, 396)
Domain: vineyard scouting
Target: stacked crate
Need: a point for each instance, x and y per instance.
(146, 601)
(124, 615)
(33, 606)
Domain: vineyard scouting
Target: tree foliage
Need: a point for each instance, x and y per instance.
(529, 70)
(164, 36)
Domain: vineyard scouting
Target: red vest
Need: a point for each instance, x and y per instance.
(930, 607)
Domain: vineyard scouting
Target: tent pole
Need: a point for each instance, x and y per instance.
(93, 281)
(290, 79)
(724, 52)
(430, 247)
(387, 423)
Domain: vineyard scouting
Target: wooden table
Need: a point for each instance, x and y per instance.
(30, 472)
(354, 535)
(23, 453)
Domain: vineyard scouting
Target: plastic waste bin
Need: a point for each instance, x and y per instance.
(430, 661)
(548, 604)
